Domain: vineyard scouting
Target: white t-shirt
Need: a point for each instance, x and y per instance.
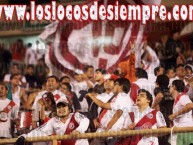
(120, 102)
(186, 119)
(146, 84)
(152, 78)
(77, 86)
(55, 126)
(31, 56)
(104, 97)
(39, 49)
(160, 122)
(13, 114)
(7, 78)
(150, 66)
(16, 97)
(177, 78)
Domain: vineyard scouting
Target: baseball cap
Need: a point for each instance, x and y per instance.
(62, 102)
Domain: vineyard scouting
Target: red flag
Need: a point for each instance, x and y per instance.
(102, 44)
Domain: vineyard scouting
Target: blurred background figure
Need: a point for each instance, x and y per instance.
(18, 51)
(5, 60)
(30, 78)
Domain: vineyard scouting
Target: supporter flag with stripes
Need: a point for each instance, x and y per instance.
(102, 44)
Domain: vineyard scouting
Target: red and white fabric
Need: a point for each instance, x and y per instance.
(146, 122)
(55, 126)
(120, 102)
(186, 119)
(11, 115)
(77, 44)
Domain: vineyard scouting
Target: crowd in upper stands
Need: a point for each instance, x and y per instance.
(152, 89)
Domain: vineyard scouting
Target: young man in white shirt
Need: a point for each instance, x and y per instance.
(64, 123)
(149, 59)
(144, 118)
(8, 113)
(15, 70)
(182, 111)
(143, 81)
(18, 93)
(180, 74)
(81, 84)
(119, 107)
(107, 96)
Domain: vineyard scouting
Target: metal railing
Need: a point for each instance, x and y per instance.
(55, 138)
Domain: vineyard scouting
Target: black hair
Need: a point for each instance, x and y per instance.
(29, 45)
(125, 83)
(162, 81)
(4, 84)
(179, 65)
(188, 67)
(179, 85)
(103, 71)
(64, 77)
(141, 73)
(30, 66)
(69, 88)
(15, 64)
(116, 72)
(148, 94)
(13, 75)
(174, 31)
(54, 77)
(169, 68)
(20, 40)
(156, 70)
(162, 66)
(87, 67)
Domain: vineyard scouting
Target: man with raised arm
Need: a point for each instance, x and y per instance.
(113, 115)
(52, 84)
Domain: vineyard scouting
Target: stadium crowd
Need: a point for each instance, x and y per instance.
(152, 89)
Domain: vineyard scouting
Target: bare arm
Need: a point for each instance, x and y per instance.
(30, 100)
(157, 100)
(89, 84)
(42, 111)
(116, 116)
(99, 102)
(27, 58)
(184, 110)
(23, 95)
